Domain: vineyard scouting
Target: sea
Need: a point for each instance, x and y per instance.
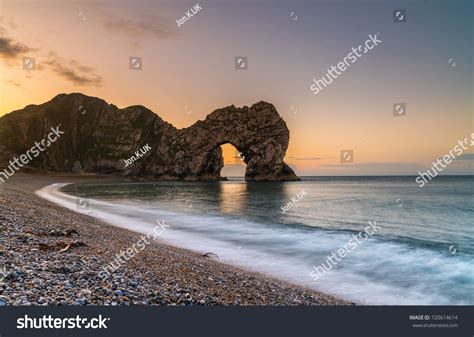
(422, 252)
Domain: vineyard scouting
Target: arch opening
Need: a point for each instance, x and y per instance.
(234, 164)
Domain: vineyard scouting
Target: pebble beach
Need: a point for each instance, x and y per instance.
(50, 255)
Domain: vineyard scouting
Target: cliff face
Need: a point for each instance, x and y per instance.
(98, 137)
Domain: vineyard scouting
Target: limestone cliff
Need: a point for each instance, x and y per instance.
(98, 137)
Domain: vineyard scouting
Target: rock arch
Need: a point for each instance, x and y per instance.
(258, 132)
(98, 137)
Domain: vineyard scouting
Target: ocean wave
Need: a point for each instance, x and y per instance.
(379, 271)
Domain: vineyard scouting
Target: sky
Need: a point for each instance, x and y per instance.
(425, 62)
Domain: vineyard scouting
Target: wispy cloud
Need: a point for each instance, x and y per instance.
(375, 165)
(149, 25)
(72, 71)
(310, 158)
(9, 48)
(134, 20)
(16, 84)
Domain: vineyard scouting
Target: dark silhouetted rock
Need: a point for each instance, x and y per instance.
(98, 137)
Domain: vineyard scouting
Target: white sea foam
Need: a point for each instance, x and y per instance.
(377, 272)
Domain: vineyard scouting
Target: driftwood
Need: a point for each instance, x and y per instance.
(61, 246)
(210, 255)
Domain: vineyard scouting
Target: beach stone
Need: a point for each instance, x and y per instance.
(258, 133)
(86, 292)
(80, 301)
(37, 282)
(13, 276)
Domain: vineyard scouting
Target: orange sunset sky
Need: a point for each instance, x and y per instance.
(188, 71)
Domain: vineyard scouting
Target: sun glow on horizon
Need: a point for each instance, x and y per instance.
(184, 77)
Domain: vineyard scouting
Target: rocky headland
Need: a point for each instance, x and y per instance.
(98, 138)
